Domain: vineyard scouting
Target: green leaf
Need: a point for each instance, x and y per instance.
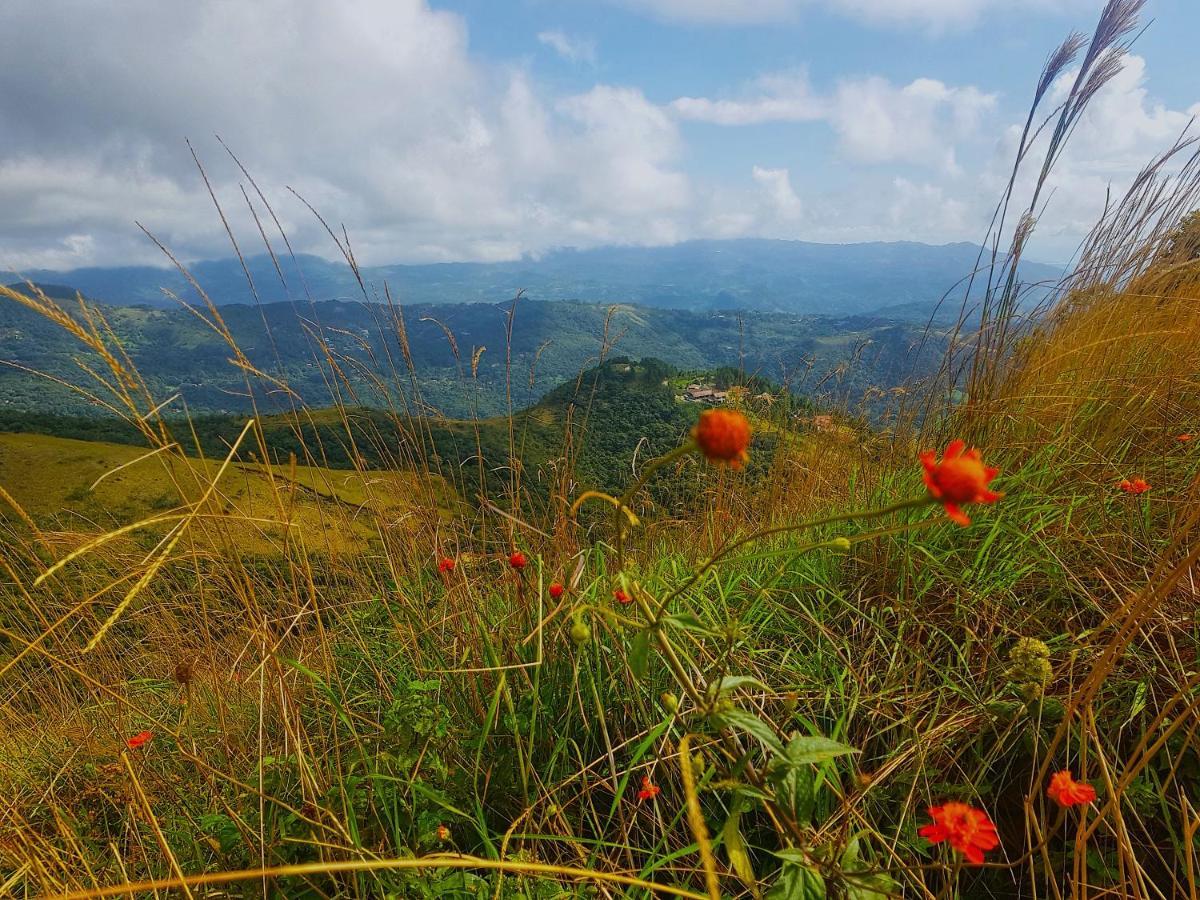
(688, 622)
(751, 724)
(732, 682)
(795, 791)
(639, 654)
(870, 887)
(797, 882)
(735, 849)
(813, 748)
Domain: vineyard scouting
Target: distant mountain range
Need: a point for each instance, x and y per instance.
(907, 279)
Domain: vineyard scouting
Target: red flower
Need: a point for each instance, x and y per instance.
(1066, 791)
(517, 560)
(138, 739)
(446, 565)
(443, 833)
(621, 597)
(1184, 438)
(969, 830)
(649, 790)
(959, 478)
(556, 590)
(723, 436)
(1137, 486)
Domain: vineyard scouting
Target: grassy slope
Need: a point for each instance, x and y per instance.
(52, 480)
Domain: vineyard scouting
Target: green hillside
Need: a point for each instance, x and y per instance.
(453, 360)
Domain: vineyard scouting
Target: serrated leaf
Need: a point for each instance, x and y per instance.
(741, 720)
(639, 654)
(733, 682)
(806, 749)
(795, 791)
(797, 882)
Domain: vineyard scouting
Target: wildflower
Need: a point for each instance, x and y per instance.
(969, 830)
(1066, 791)
(723, 436)
(517, 560)
(556, 590)
(1184, 438)
(649, 790)
(446, 565)
(1137, 486)
(959, 478)
(840, 543)
(621, 597)
(669, 701)
(443, 833)
(580, 633)
(138, 739)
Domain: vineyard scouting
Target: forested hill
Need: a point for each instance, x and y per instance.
(351, 353)
(754, 274)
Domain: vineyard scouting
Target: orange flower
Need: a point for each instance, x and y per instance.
(1066, 791)
(443, 833)
(517, 560)
(649, 790)
(138, 739)
(621, 597)
(446, 565)
(723, 436)
(959, 478)
(969, 830)
(1184, 438)
(1137, 486)
(556, 590)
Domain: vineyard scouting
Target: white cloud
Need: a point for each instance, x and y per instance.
(876, 121)
(569, 48)
(778, 98)
(778, 190)
(919, 123)
(374, 110)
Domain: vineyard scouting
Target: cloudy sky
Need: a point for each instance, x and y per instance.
(488, 129)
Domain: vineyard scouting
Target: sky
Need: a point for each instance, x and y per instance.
(455, 130)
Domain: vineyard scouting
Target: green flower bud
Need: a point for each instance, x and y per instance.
(669, 701)
(580, 633)
(840, 543)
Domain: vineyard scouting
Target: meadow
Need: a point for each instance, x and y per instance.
(771, 661)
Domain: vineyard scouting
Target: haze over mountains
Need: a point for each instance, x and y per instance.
(904, 279)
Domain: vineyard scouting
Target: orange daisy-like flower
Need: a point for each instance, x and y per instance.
(556, 590)
(649, 790)
(1136, 486)
(723, 436)
(1066, 791)
(621, 597)
(969, 830)
(443, 833)
(446, 564)
(960, 477)
(517, 560)
(139, 739)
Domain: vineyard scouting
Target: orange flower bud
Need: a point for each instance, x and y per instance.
(723, 436)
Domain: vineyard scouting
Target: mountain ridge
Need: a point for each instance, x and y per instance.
(773, 275)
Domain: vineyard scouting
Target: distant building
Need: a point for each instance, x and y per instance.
(704, 393)
(822, 423)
